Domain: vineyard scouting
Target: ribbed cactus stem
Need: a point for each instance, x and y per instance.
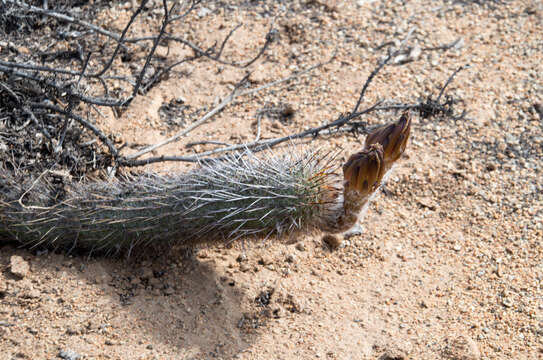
(220, 201)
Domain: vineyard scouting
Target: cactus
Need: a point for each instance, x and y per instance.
(221, 200)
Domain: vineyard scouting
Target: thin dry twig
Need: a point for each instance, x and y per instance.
(193, 126)
(449, 80)
(64, 87)
(343, 124)
(288, 78)
(103, 138)
(230, 98)
(381, 64)
(65, 84)
(63, 17)
(443, 47)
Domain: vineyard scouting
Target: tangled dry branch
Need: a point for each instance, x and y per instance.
(64, 67)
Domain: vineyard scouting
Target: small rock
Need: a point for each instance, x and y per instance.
(162, 51)
(241, 258)
(459, 44)
(363, 2)
(332, 241)
(414, 52)
(244, 267)
(169, 291)
(3, 288)
(354, 231)
(507, 303)
(539, 110)
(394, 352)
(19, 267)
(411, 54)
(265, 260)
(203, 12)
(147, 274)
(149, 347)
(456, 237)
(69, 355)
(24, 50)
(278, 313)
(71, 331)
(154, 282)
(290, 258)
(462, 348)
(31, 294)
(300, 246)
(428, 203)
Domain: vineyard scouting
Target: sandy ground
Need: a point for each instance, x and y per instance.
(450, 263)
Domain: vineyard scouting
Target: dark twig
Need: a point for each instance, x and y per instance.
(121, 38)
(10, 92)
(83, 122)
(206, 142)
(255, 146)
(443, 47)
(210, 53)
(63, 17)
(185, 131)
(42, 128)
(151, 53)
(381, 64)
(343, 124)
(85, 64)
(449, 80)
(103, 101)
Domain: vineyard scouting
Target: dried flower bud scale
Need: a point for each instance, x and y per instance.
(220, 201)
(392, 138)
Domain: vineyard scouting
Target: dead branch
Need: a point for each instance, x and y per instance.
(229, 99)
(56, 83)
(184, 132)
(343, 124)
(63, 17)
(60, 91)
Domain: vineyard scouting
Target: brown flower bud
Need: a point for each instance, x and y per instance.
(364, 170)
(392, 137)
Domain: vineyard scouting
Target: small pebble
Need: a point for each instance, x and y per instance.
(290, 258)
(300, 246)
(244, 267)
(462, 348)
(332, 241)
(19, 267)
(69, 355)
(265, 260)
